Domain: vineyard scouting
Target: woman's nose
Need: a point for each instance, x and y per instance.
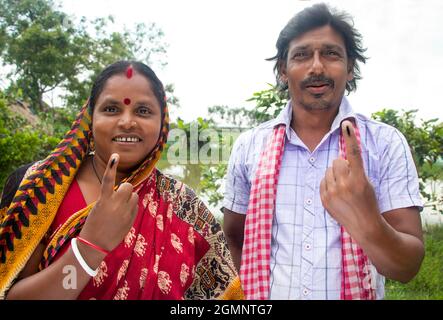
(126, 122)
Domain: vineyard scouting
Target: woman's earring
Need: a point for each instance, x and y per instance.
(91, 151)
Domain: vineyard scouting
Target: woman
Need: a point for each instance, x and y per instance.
(96, 220)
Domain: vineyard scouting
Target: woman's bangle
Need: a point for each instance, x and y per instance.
(96, 247)
(80, 259)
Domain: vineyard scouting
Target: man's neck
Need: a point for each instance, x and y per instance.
(312, 125)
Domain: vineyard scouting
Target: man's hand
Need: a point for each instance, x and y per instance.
(345, 190)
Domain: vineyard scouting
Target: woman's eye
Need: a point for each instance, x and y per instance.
(110, 109)
(143, 111)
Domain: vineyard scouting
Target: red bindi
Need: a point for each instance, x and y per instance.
(129, 72)
(127, 101)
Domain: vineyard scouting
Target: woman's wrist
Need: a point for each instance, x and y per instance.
(91, 256)
(92, 245)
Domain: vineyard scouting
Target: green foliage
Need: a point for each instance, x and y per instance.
(143, 42)
(19, 142)
(191, 168)
(57, 122)
(43, 53)
(207, 148)
(426, 141)
(428, 284)
(47, 51)
(268, 103)
(211, 181)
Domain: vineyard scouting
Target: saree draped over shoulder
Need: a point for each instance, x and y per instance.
(174, 250)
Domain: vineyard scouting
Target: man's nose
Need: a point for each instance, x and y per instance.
(317, 66)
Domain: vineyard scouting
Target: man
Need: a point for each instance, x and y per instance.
(304, 222)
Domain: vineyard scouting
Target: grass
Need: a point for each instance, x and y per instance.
(428, 284)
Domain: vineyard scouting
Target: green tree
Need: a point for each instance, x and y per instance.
(20, 143)
(425, 137)
(191, 169)
(48, 52)
(43, 53)
(143, 42)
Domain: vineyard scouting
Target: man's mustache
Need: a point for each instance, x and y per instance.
(313, 80)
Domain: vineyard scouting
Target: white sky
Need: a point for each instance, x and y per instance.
(217, 49)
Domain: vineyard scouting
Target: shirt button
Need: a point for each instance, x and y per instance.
(309, 201)
(311, 159)
(305, 292)
(307, 246)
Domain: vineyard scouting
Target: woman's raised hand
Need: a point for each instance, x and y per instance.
(114, 212)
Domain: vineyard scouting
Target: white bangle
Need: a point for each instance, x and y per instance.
(80, 259)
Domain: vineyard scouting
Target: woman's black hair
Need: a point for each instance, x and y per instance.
(313, 17)
(120, 67)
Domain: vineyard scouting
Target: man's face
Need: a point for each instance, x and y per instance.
(317, 69)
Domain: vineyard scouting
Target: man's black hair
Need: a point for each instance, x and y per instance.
(314, 17)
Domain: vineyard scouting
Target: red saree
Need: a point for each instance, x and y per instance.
(162, 253)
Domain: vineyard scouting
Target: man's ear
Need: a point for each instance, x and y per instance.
(282, 71)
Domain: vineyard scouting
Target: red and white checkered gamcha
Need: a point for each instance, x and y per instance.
(256, 252)
(356, 281)
(255, 262)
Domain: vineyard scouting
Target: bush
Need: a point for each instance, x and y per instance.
(428, 284)
(20, 143)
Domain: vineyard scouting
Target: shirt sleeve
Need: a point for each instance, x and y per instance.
(399, 185)
(237, 184)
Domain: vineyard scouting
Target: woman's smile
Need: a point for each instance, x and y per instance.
(127, 139)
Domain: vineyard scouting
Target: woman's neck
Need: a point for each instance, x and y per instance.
(98, 167)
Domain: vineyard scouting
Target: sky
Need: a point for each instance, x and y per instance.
(217, 49)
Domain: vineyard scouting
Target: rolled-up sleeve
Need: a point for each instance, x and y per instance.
(399, 185)
(237, 184)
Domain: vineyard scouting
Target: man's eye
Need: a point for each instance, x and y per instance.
(300, 54)
(332, 53)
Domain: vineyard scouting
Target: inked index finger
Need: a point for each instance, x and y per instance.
(108, 181)
(353, 152)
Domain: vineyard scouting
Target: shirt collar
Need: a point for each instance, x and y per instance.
(345, 111)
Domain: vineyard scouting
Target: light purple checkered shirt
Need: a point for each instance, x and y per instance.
(306, 247)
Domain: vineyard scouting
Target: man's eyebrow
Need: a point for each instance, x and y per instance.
(335, 47)
(325, 46)
(302, 47)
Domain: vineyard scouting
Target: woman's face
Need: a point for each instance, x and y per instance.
(126, 120)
